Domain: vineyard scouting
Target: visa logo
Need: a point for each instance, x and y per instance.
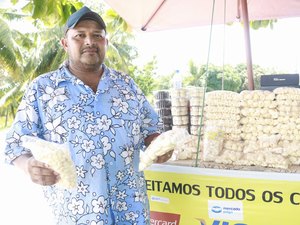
(218, 222)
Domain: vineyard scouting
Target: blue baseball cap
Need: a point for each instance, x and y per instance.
(83, 14)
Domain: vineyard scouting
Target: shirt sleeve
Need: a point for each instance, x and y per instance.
(25, 123)
(150, 121)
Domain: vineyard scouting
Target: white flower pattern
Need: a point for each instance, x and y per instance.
(99, 205)
(76, 206)
(97, 161)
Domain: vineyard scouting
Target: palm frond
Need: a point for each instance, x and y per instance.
(10, 55)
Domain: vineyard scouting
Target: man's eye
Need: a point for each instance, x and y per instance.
(99, 36)
(79, 35)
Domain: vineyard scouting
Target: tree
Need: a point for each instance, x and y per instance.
(50, 13)
(10, 55)
(145, 77)
(196, 77)
(12, 43)
(257, 72)
(214, 75)
(28, 55)
(234, 78)
(23, 56)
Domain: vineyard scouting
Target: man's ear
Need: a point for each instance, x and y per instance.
(64, 43)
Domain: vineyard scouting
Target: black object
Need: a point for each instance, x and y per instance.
(270, 82)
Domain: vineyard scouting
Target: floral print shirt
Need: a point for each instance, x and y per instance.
(105, 132)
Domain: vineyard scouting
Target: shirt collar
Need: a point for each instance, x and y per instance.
(64, 74)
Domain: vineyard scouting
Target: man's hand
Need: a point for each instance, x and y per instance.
(39, 172)
(160, 159)
(164, 158)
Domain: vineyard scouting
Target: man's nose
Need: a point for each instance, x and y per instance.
(89, 40)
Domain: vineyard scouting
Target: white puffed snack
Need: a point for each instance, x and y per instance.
(179, 110)
(57, 156)
(180, 120)
(178, 93)
(179, 102)
(196, 91)
(213, 141)
(161, 145)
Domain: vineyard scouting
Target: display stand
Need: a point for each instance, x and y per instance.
(182, 194)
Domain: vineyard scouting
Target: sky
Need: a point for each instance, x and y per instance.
(277, 48)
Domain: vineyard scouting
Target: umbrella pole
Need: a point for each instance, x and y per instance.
(245, 18)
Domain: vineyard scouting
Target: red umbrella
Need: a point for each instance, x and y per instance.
(155, 15)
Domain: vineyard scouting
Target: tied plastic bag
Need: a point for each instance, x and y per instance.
(160, 146)
(186, 148)
(57, 156)
(213, 142)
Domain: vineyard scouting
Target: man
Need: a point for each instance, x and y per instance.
(105, 120)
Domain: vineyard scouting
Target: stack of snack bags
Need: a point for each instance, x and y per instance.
(196, 97)
(222, 131)
(162, 105)
(179, 109)
(260, 130)
(288, 126)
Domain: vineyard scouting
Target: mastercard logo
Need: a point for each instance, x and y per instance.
(161, 218)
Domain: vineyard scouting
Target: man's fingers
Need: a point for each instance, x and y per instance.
(45, 178)
(165, 157)
(41, 173)
(35, 163)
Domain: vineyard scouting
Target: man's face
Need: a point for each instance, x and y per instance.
(86, 44)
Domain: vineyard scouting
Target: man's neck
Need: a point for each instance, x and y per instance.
(90, 77)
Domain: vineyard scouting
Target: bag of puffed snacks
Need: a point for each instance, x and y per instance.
(57, 156)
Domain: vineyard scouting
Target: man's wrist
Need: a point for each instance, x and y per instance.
(22, 162)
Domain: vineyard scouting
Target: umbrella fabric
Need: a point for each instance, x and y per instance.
(155, 15)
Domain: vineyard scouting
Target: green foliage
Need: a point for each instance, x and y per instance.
(234, 78)
(145, 77)
(257, 24)
(23, 56)
(51, 13)
(257, 72)
(196, 77)
(14, 1)
(10, 96)
(120, 52)
(10, 56)
(164, 82)
(227, 75)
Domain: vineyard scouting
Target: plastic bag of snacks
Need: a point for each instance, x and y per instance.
(57, 156)
(213, 141)
(160, 146)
